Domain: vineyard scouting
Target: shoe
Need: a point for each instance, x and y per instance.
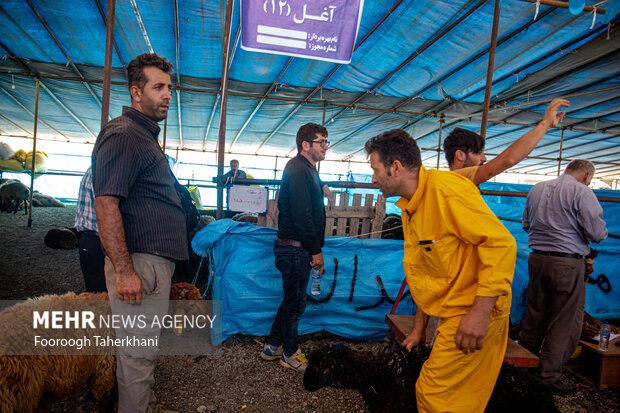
(297, 361)
(271, 353)
(562, 388)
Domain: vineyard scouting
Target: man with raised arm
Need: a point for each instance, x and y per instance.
(464, 150)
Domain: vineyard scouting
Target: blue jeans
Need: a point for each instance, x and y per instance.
(294, 264)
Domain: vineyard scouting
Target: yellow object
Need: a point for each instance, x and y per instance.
(469, 172)
(39, 162)
(455, 247)
(195, 194)
(12, 165)
(451, 381)
(20, 155)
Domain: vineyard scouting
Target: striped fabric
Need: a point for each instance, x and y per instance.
(85, 219)
(129, 164)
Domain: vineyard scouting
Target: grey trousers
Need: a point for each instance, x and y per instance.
(135, 365)
(555, 305)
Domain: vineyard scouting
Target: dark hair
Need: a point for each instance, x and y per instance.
(232, 161)
(464, 140)
(308, 133)
(395, 145)
(135, 70)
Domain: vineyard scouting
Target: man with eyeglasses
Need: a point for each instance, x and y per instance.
(297, 248)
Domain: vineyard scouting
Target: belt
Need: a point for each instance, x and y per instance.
(290, 242)
(558, 254)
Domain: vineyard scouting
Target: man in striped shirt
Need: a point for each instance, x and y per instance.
(91, 252)
(141, 222)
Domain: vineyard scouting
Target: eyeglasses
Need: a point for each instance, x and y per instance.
(322, 143)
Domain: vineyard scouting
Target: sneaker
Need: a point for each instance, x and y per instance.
(296, 362)
(271, 353)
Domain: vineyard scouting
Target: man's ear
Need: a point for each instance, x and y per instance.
(397, 168)
(136, 93)
(305, 146)
(460, 156)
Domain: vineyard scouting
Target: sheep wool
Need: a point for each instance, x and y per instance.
(26, 378)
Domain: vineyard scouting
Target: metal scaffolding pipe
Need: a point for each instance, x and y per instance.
(564, 5)
(416, 53)
(487, 92)
(105, 22)
(34, 151)
(330, 74)
(601, 29)
(177, 68)
(107, 66)
(63, 51)
(222, 131)
(471, 117)
(439, 143)
(204, 141)
(21, 105)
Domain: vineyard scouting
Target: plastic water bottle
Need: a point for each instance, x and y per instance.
(603, 343)
(315, 289)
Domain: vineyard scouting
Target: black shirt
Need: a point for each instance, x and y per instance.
(301, 205)
(128, 163)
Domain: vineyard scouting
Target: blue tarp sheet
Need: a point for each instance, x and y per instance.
(353, 303)
(404, 50)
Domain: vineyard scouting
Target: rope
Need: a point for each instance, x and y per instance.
(375, 232)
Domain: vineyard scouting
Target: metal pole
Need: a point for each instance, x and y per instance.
(224, 93)
(34, 151)
(487, 92)
(107, 68)
(560, 154)
(439, 143)
(564, 5)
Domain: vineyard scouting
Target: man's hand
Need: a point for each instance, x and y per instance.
(112, 235)
(129, 287)
(474, 325)
(413, 339)
(552, 117)
(317, 262)
(330, 196)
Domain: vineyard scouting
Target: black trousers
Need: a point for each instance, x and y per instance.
(555, 304)
(92, 262)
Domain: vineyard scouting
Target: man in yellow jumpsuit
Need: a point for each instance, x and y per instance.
(459, 262)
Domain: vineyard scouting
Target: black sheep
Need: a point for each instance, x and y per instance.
(387, 382)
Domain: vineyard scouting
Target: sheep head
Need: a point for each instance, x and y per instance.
(324, 366)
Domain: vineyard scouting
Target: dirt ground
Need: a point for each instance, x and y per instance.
(234, 379)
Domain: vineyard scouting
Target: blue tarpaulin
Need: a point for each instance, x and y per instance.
(410, 57)
(363, 277)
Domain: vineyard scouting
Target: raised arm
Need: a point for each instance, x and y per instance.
(516, 152)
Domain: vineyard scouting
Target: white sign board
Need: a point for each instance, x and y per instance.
(248, 198)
